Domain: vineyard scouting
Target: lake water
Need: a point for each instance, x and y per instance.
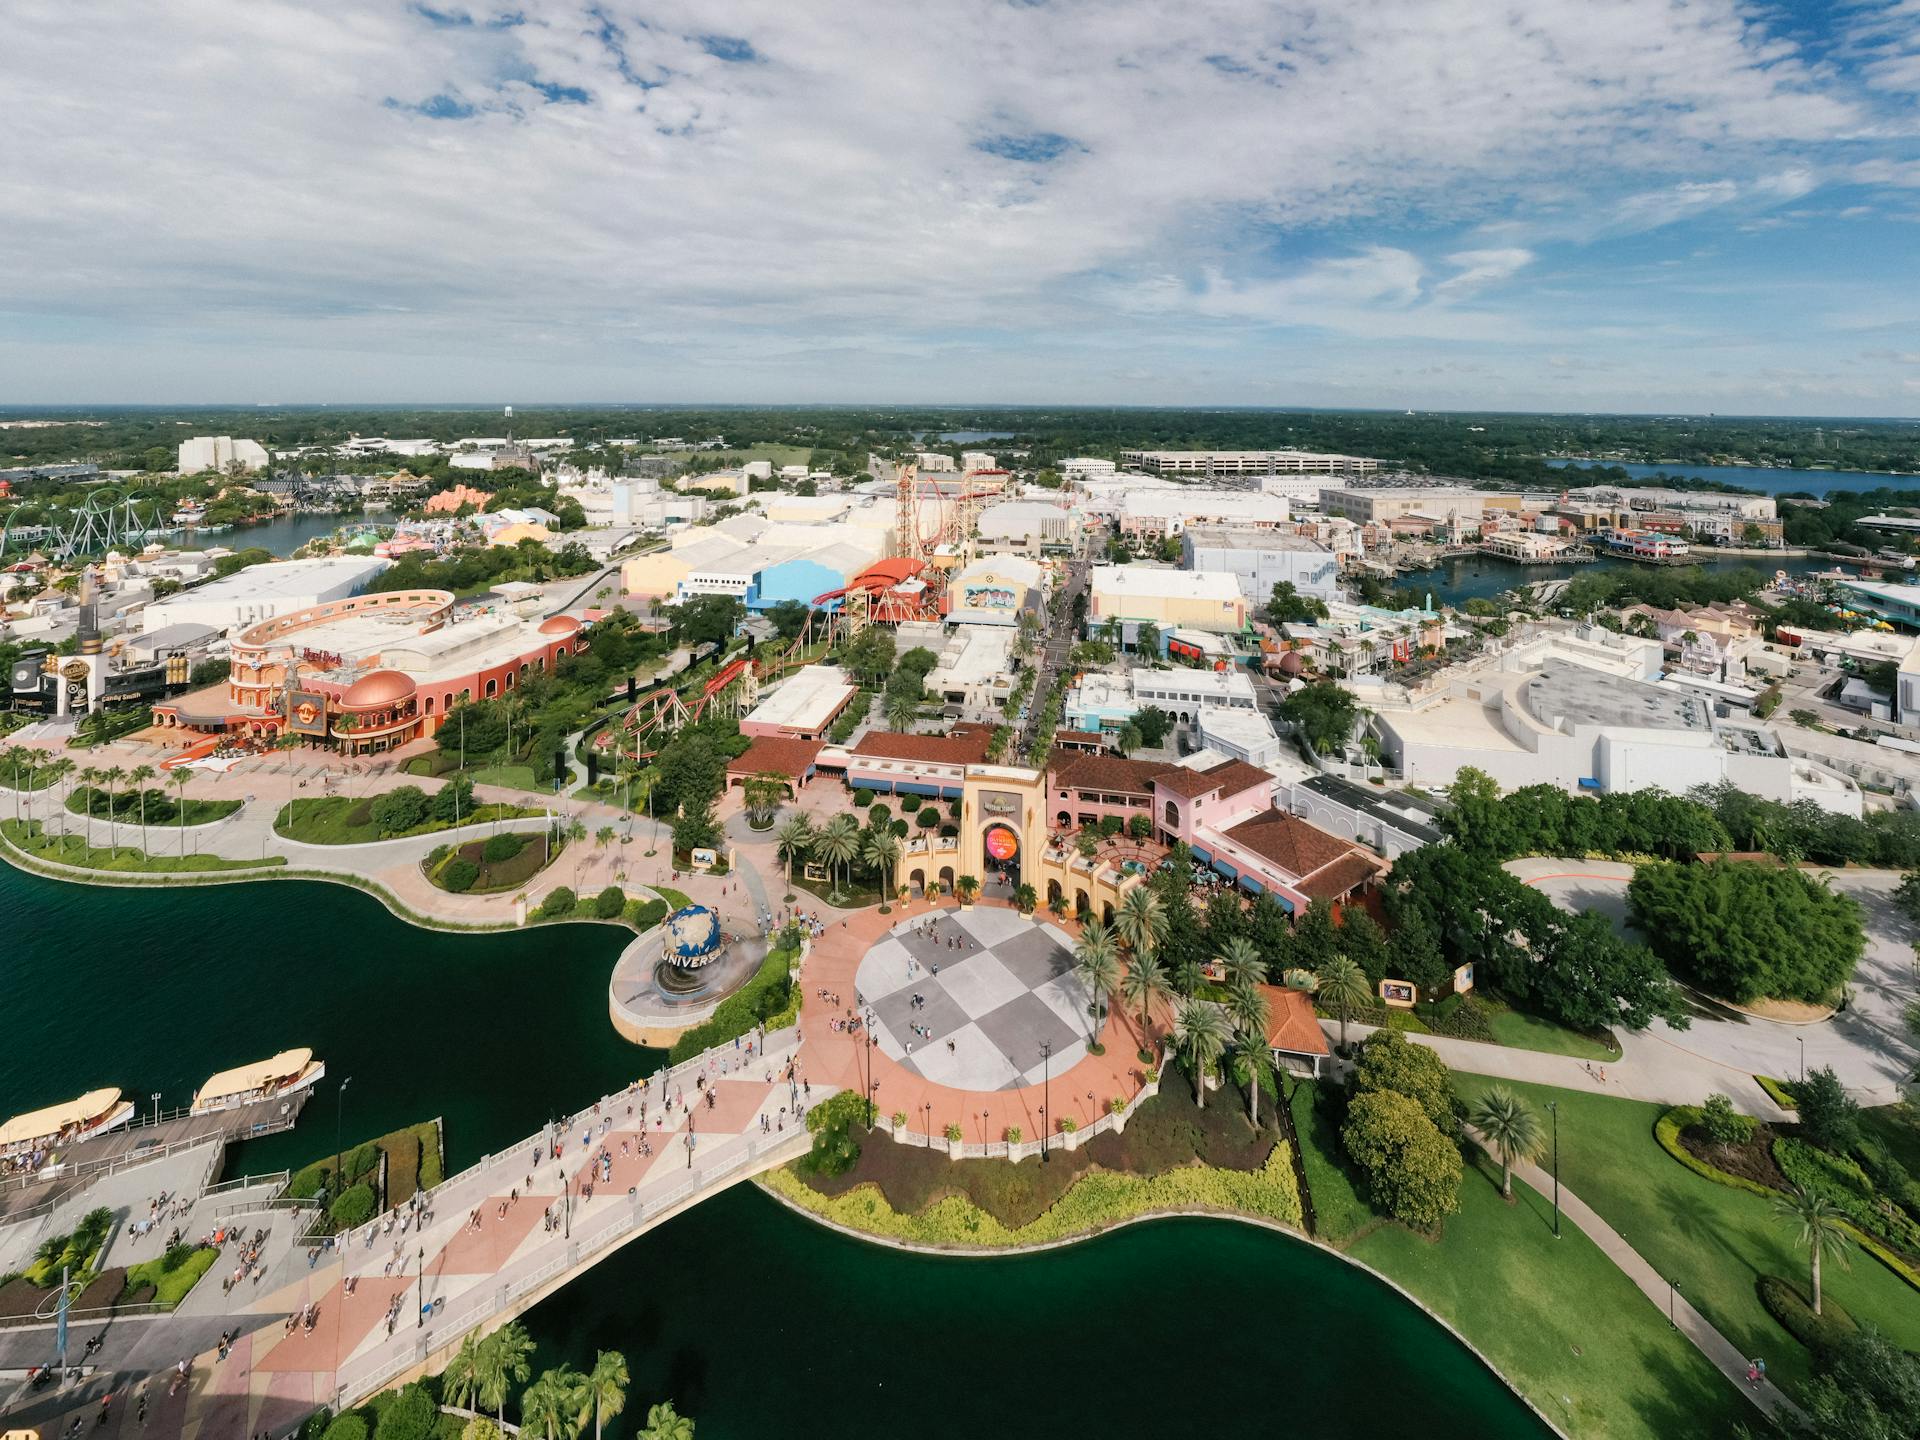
(753, 1320)
(282, 535)
(974, 437)
(1467, 577)
(1763, 479)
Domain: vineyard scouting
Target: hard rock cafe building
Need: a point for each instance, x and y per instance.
(370, 673)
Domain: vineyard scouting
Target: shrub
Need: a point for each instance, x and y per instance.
(1014, 1134)
(346, 1427)
(399, 809)
(480, 1428)
(361, 1160)
(460, 875)
(645, 914)
(1390, 1061)
(1846, 1186)
(1667, 1130)
(560, 901)
(835, 1147)
(1829, 1117)
(1139, 827)
(503, 846)
(1795, 1314)
(879, 813)
(409, 1416)
(436, 855)
(953, 1133)
(1779, 1091)
(765, 999)
(1723, 1124)
(1413, 1171)
(354, 1206)
(609, 903)
(862, 799)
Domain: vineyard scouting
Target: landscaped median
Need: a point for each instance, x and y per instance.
(32, 840)
(342, 820)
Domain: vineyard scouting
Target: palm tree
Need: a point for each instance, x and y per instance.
(966, 887)
(1252, 1064)
(1096, 963)
(19, 759)
(881, 850)
(1026, 898)
(60, 769)
(1141, 922)
(113, 775)
(1248, 1008)
(180, 777)
(556, 1404)
(1511, 1128)
(1201, 1034)
(666, 1423)
(460, 1381)
(90, 777)
(1242, 961)
(838, 843)
(1820, 1230)
(503, 1363)
(793, 839)
(576, 830)
(1145, 982)
(608, 1383)
(901, 713)
(762, 795)
(1343, 985)
(138, 778)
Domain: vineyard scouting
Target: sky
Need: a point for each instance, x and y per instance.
(1630, 205)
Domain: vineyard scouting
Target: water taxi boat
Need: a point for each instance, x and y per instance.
(94, 1113)
(284, 1074)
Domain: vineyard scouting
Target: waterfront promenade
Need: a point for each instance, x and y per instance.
(390, 1304)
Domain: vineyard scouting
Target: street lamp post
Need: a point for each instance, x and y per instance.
(339, 1104)
(1046, 1094)
(156, 1107)
(928, 1107)
(1554, 1107)
(420, 1318)
(1672, 1285)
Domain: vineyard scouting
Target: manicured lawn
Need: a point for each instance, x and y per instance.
(510, 777)
(1531, 1032)
(676, 899)
(1340, 1204)
(163, 807)
(1898, 1127)
(1716, 1241)
(74, 850)
(533, 856)
(1557, 1318)
(342, 820)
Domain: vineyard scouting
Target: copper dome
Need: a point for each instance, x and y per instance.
(381, 688)
(559, 625)
(1291, 664)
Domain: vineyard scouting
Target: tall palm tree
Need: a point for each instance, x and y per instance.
(666, 1423)
(901, 713)
(1026, 898)
(1097, 964)
(1141, 922)
(1252, 1064)
(1820, 1235)
(838, 843)
(1511, 1128)
(556, 1404)
(460, 1381)
(60, 768)
(792, 840)
(1201, 1033)
(1343, 985)
(881, 849)
(138, 778)
(113, 775)
(19, 764)
(1247, 1007)
(1242, 961)
(607, 1382)
(504, 1361)
(966, 887)
(1144, 983)
(90, 777)
(180, 777)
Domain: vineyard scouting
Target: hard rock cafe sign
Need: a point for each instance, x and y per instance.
(307, 713)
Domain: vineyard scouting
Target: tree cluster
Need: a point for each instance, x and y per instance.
(1399, 1123)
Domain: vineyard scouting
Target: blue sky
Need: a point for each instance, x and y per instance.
(1578, 204)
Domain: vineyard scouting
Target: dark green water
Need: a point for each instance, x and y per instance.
(753, 1320)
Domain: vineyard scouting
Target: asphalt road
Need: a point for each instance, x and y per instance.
(1051, 657)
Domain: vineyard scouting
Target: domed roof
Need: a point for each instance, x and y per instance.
(1291, 663)
(382, 687)
(693, 936)
(559, 625)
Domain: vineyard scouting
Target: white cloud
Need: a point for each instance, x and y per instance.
(231, 193)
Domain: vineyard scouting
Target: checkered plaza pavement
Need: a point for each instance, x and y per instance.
(968, 999)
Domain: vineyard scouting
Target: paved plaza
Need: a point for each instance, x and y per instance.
(972, 999)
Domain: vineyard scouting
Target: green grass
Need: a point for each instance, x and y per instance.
(1531, 1032)
(74, 850)
(509, 777)
(342, 820)
(705, 461)
(162, 808)
(1716, 1241)
(676, 899)
(171, 1286)
(1557, 1318)
(1898, 1127)
(1340, 1207)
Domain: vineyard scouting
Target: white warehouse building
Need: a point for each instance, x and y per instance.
(220, 452)
(1261, 559)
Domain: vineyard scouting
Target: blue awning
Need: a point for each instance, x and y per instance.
(1589, 782)
(1252, 884)
(1201, 855)
(1227, 870)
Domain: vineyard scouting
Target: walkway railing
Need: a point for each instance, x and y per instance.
(1004, 1149)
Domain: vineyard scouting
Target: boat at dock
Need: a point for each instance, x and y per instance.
(287, 1073)
(94, 1113)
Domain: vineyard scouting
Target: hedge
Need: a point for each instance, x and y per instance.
(643, 915)
(1795, 1314)
(353, 1207)
(1778, 1092)
(763, 999)
(1095, 1201)
(347, 1427)
(1667, 1131)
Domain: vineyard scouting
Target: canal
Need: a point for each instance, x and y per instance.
(753, 1320)
(281, 535)
(1467, 577)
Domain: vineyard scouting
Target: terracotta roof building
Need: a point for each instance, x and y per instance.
(793, 760)
(894, 764)
(1293, 1030)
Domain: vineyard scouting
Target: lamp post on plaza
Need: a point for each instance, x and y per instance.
(1554, 1107)
(420, 1316)
(1046, 1094)
(339, 1102)
(156, 1107)
(1672, 1285)
(928, 1107)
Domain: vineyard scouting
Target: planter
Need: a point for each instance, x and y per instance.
(956, 1149)
(1070, 1139)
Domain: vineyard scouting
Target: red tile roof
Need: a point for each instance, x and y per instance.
(1297, 849)
(1229, 777)
(776, 755)
(1341, 878)
(965, 744)
(1291, 1024)
(1107, 772)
